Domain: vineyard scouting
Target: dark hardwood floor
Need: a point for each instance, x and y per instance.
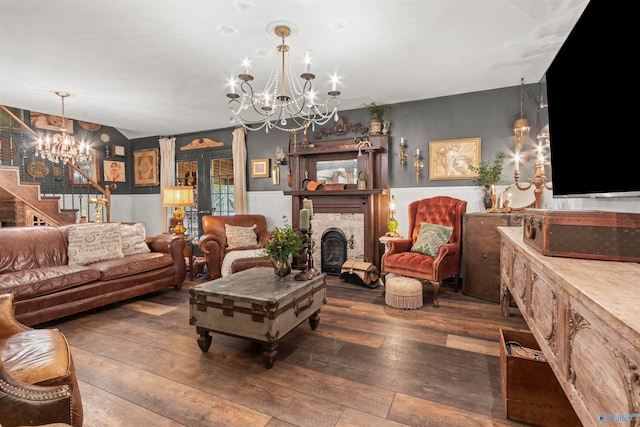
(367, 364)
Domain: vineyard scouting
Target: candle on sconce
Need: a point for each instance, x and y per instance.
(304, 219)
(418, 152)
(402, 142)
(516, 159)
(308, 204)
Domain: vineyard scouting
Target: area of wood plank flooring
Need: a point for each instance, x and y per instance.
(138, 364)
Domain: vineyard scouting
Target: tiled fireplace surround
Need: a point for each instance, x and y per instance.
(351, 224)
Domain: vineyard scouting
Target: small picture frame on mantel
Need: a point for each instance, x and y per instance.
(118, 150)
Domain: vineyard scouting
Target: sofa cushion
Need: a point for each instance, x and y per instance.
(133, 239)
(93, 242)
(41, 281)
(32, 247)
(431, 237)
(132, 264)
(241, 237)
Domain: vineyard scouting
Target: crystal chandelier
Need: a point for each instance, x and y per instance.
(285, 103)
(61, 146)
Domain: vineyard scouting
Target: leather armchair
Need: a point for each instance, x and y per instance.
(37, 377)
(213, 242)
(399, 259)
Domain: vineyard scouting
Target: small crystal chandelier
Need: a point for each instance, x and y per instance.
(61, 146)
(284, 103)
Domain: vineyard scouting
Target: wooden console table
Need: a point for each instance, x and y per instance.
(585, 316)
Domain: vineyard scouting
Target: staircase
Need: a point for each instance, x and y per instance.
(22, 204)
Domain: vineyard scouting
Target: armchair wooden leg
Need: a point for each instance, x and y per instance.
(436, 290)
(457, 282)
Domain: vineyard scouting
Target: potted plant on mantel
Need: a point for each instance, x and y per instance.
(489, 175)
(284, 243)
(376, 111)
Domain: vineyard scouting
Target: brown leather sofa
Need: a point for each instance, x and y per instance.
(37, 378)
(213, 242)
(34, 267)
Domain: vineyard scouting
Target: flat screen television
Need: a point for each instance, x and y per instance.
(591, 90)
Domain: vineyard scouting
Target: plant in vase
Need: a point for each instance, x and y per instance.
(376, 111)
(489, 175)
(284, 243)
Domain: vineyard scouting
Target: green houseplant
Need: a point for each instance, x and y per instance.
(284, 243)
(376, 111)
(489, 175)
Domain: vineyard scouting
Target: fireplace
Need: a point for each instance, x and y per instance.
(333, 251)
(360, 212)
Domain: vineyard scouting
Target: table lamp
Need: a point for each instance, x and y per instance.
(178, 197)
(392, 223)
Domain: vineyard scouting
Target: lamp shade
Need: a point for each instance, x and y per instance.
(177, 196)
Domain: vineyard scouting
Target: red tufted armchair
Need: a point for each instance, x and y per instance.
(399, 258)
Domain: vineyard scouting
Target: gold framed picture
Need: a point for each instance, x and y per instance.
(260, 168)
(146, 168)
(50, 122)
(454, 158)
(91, 168)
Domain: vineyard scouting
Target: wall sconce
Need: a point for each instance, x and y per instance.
(418, 165)
(392, 223)
(281, 157)
(403, 153)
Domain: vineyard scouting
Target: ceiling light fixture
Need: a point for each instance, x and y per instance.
(521, 126)
(284, 103)
(62, 146)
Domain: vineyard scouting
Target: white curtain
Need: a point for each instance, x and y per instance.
(167, 176)
(239, 174)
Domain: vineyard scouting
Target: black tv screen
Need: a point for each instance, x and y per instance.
(591, 93)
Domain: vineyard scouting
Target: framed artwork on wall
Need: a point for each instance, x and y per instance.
(454, 158)
(50, 122)
(146, 170)
(118, 150)
(90, 168)
(260, 168)
(113, 171)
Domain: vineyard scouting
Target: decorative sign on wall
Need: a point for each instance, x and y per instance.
(201, 143)
(37, 169)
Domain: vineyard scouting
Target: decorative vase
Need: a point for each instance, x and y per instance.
(281, 268)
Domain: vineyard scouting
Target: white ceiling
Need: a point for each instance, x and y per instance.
(160, 67)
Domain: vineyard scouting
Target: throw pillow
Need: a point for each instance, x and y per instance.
(240, 237)
(93, 242)
(133, 239)
(431, 237)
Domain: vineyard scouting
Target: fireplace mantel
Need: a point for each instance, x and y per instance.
(372, 202)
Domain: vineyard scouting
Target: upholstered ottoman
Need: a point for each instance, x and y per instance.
(403, 292)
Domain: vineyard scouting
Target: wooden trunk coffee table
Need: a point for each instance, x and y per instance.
(255, 304)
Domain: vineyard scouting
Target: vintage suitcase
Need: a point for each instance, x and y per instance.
(255, 304)
(610, 236)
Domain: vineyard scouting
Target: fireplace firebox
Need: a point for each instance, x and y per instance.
(333, 248)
